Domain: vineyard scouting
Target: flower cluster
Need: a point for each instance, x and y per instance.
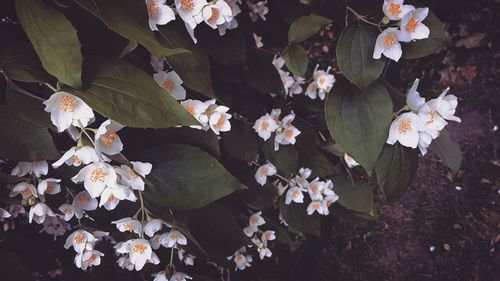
(216, 14)
(322, 81)
(410, 28)
(425, 120)
(286, 133)
(257, 10)
(210, 115)
(83, 243)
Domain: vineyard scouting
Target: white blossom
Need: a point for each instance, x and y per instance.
(133, 177)
(405, 129)
(258, 10)
(38, 213)
(66, 109)
(96, 177)
(318, 206)
(159, 13)
(38, 168)
(106, 138)
(258, 40)
(49, 186)
(81, 203)
(387, 43)
(351, 163)
(80, 240)
(411, 23)
(172, 238)
(171, 82)
(77, 156)
(265, 171)
(294, 194)
(217, 13)
(25, 189)
(129, 225)
(265, 126)
(395, 10)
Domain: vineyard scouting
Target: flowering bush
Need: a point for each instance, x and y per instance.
(237, 141)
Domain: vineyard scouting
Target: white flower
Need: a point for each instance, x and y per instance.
(413, 98)
(155, 241)
(172, 238)
(132, 177)
(445, 105)
(55, 226)
(294, 194)
(39, 212)
(197, 109)
(388, 43)
(171, 82)
(312, 90)
(152, 227)
(241, 260)
(263, 172)
(160, 276)
(301, 178)
(4, 214)
(96, 177)
(49, 186)
(323, 79)
(296, 88)
(158, 63)
(190, 11)
(258, 40)
(278, 62)
(217, 13)
(106, 139)
(395, 10)
(218, 118)
(350, 161)
(88, 259)
(128, 224)
(80, 240)
(25, 189)
(67, 210)
(432, 121)
(83, 202)
(188, 259)
(76, 156)
(287, 136)
(38, 168)
(257, 10)
(405, 129)
(15, 210)
(265, 126)
(424, 141)
(286, 79)
(159, 13)
(318, 206)
(254, 222)
(179, 276)
(140, 252)
(268, 235)
(264, 252)
(315, 189)
(66, 109)
(111, 196)
(412, 24)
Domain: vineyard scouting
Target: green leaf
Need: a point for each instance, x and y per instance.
(185, 177)
(54, 40)
(124, 93)
(354, 196)
(27, 107)
(23, 142)
(355, 54)
(6, 178)
(229, 49)
(261, 74)
(421, 48)
(447, 150)
(286, 159)
(241, 141)
(20, 63)
(359, 120)
(295, 215)
(194, 67)
(205, 140)
(296, 60)
(259, 197)
(395, 168)
(129, 18)
(304, 27)
(131, 46)
(217, 231)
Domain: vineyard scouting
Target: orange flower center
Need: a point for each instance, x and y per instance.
(412, 25)
(109, 137)
(220, 122)
(314, 188)
(267, 236)
(317, 206)
(76, 160)
(98, 175)
(51, 186)
(26, 192)
(68, 211)
(322, 80)
(83, 200)
(168, 85)
(390, 40)
(264, 125)
(191, 110)
(67, 103)
(263, 171)
(214, 16)
(405, 126)
(139, 248)
(187, 4)
(91, 259)
(132, 175)
(80, 238)
(432, 115)
(289, 134)
(153, 8)
(295, 194)
(394, 9)
(254, 220)
(239, 258)
(129, 227)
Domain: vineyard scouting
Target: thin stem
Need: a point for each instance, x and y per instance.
(172, 257)
(50, 87)
(362, 18)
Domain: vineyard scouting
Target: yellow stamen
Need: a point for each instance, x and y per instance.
(405, 126)
(390, 40)
(153, 8)
(80, 238)
(412, 25)
(139, 248)
(98, 175)
(214, 16)
(109, 137)
(168, 85)
(187, 4)
(67, 103)
(394, 9)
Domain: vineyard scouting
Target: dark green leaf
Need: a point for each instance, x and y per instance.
(261, 74)
(304, 27)
(295, 215)
(20, 141)
(205, 140)
(395, 168)
(6, 178)
(124, 93)
(20, 63)
(259, 197)
(359, 120)
(27, 107)
(425, 47)
(128, 18)
(131, 46)
(448, 151)
(241, 141)
(286, 159)
(215, 228)
(296, 60)
(354, 196)
(229, 49)
(355, 54)
(185, 177)
(54, 40)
